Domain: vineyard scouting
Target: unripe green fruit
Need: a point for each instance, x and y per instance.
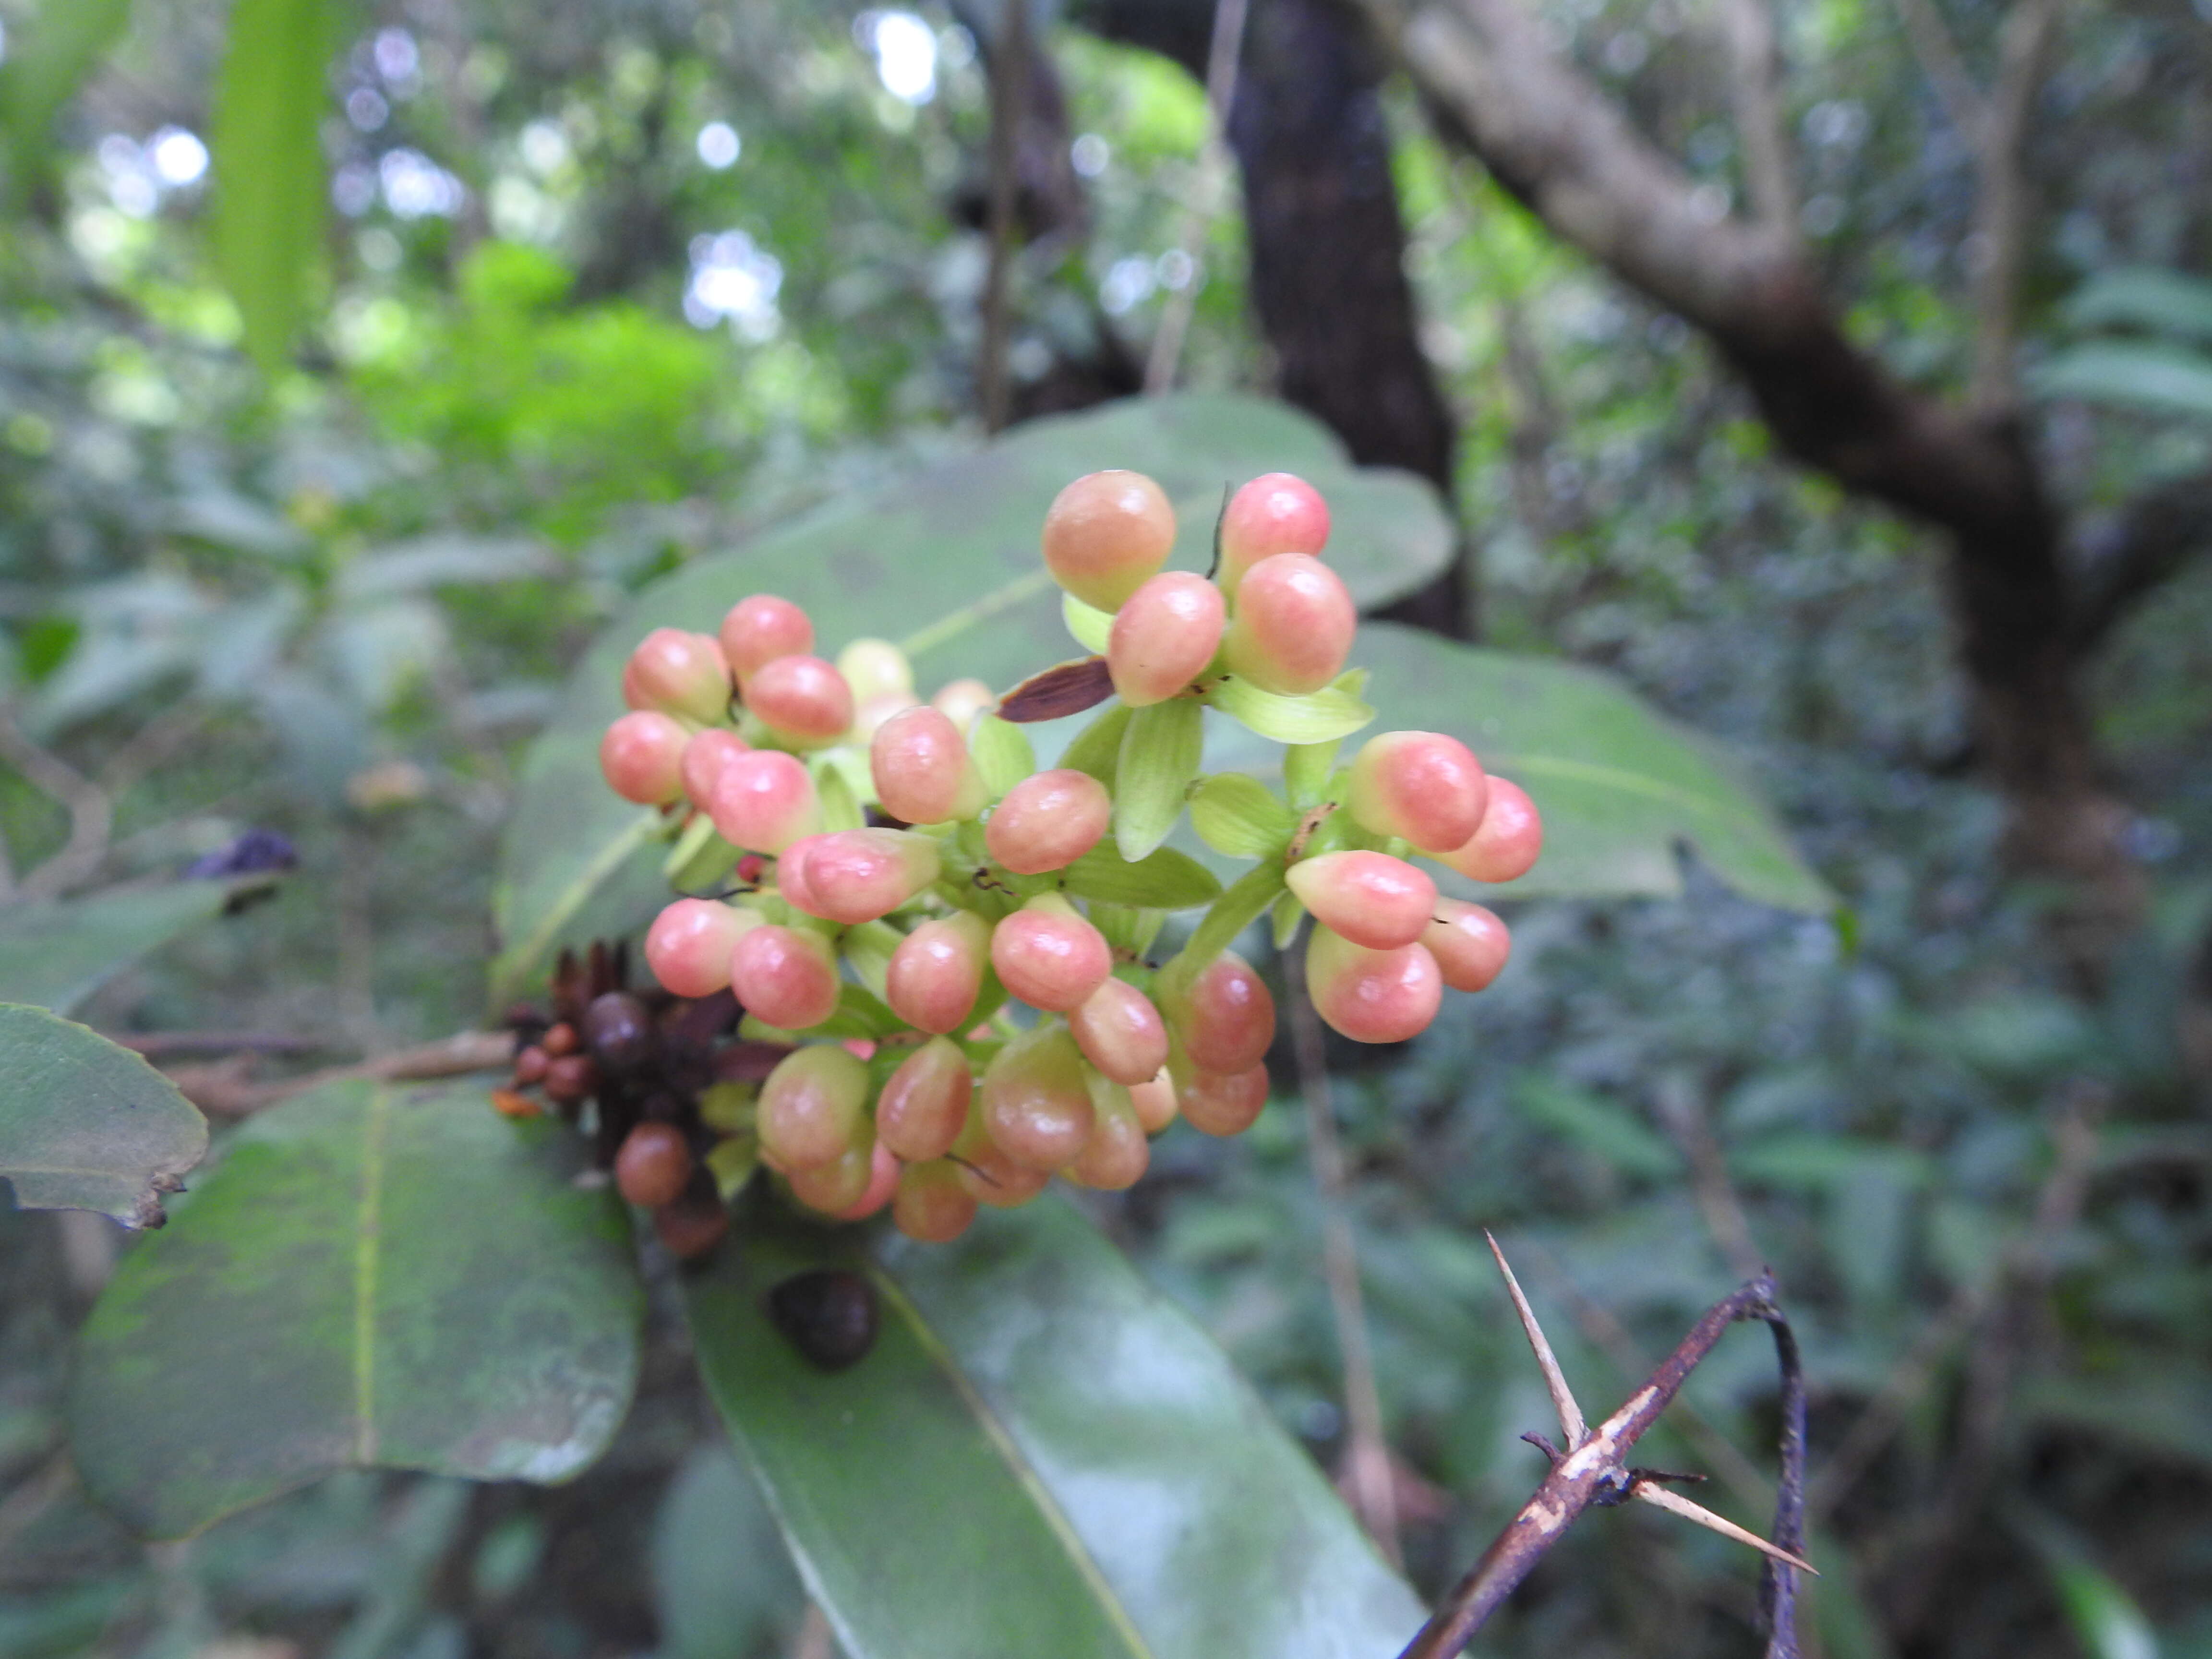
(1048, 821)
(813, 1109)
(803, 700)
(787, 977)
(764, 800)
(1294, 624)
(1164, 636)
(922, 771)
(932, 1205)
(1037, 1100)
(1121, 1033)
(962, 701)
(936, 971)
(1469, 943)
(1225, 1017)
(858, 875)
(1370, 996)
(1370, 898)
(1422, 787)
(1507, 843)
(1275, 513)
(653, 1166)
(925, 1103)
(1217, 1105)
(875, 668)
(682, 673)
(690, 943)
(759, 629)
(642, 757)
(1049, 956)
(1105, 533)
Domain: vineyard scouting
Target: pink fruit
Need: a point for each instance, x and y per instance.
(785, 977)
(1294, 625)
(1225, 1017)
(803, 700)
(704, 757)
(681, 673)
(932, 1204)
(763, 800)
(925, 1103)
(1105, 533)
(1370, 898)
(1508, 841)
(689, 945)
(1469, 943)
(858, 875)
(642, 757)
(813, 1109)
(921, 768)
(1164, 636)
(1423, 785)
(1370, 996)
(937, 972)
(1048, 821)
(1035, 1101)
(1217, 1105)
(760, 629)
(1121, 1033)
(1275, 513)
(1049, 956)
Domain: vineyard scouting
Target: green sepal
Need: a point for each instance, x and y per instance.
(694, 837)
(1247, 900)
(1306, 768)
(1001, 752)
(1129, 929)
(868, 947)
(1163, 879)
(1288, 913)
(1315, 717)
(1090, 625)
(840, 807)
(733, 1163)
(1240, 816)
(1096, 751)
(1160, 754)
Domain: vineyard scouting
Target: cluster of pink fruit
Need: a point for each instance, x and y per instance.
(896, 871)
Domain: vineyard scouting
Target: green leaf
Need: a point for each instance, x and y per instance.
(1091, 628)
(957, 542)
(1306, 768)
(1127, 928)
(57, 955)
(1096, 749)
(1249, 898)
(1001, 752)
(1163, 879)
(1039, 1455)
(1621, 787)
(266, 150)
(374, 1276)
(2166, 379)
(47, 61)
(1239, 815)
(2140, 296)
(1161, 749)
(1317, 717)
(87, 1125)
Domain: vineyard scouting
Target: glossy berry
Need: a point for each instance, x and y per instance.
(883, 1183)
(962, 701)
(832, 1188)
(653, 1166)
(813, 1109)
(1121, 1033)
(1294, 625)
(1225, 1017)
(688, 947)
(682, 673)
(921, 768)
(642, 757)
(571, 1080)
(704, 757)
(858, 875)
(803, 700)
(1049, 956)
(791, 876)
(1370, 898)
(1218, 1105)
(876, 668)
(1423, 785)
(932, 1204)
(988, 1175)
(1105, 533)
(619, 1032)
(760, 629)
(828, 1314)
(785, 977)
(937, 972)
(1154, 1102)
(763, 801)
(925, 1103)
(1048, 821)
(1469, 943)
(1507, 843)
(1164, 636)
(1370, 996)
(1275, 513)
(1117, 1154)
(1035, 1101)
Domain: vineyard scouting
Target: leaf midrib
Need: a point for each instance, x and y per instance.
(368, 1252)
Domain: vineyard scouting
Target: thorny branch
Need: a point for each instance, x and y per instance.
(1593, 1469)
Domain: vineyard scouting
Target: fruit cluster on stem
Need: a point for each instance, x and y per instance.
(947, 953)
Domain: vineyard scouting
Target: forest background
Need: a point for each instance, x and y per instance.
(1834, 375)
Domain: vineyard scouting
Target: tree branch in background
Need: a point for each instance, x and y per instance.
(1009, 66)
(1208, 181)
(223, 1090)
(91, 812)
(2125, 562)
(2001, 206)
(1938, 55)
(1755, 89)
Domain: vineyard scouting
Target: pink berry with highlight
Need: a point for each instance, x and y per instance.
(690, 943)
(882, 1183)
(1469, 943)
(1117, 1154)
(858, 875)
(1121, 1033)
(1105, 533)
(784, 976)
(1035, 1100)
(813, 1109)
(1423, 785)
(1295, 621)
(1370, 898)
(1164, 636)
(1214, 1104)
(642, 757)
(925, 1103)
(1370, 996)
(835, 1188)
(1225, 1017)
(1049, 956)
(704, 757)
(759, 629)
(803, 700)
(1048, 821)
(937, 972)
(921, 768)
(1275, 513)
(1508, 842)
(682, 673)
(763, 801)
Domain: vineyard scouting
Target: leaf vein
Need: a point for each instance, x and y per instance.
(368, 1250)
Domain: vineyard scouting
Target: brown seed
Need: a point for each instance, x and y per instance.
(828, 1312)
(560, 1040)
(571, 1078)
(653, 1165)
(530, 1066)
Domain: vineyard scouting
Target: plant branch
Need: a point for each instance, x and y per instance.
(224, 1091)
(1572, 1425)
(1373, 1492)
(1954, 88)
(2003, 204)
(91, 811)
(2158, 533)
(1207, 187)
(1755, 89)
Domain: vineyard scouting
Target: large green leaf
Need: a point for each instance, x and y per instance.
(266, 154)
(1621, 787)
(375, 1275)
(2143, 297)
(947, 561)
(85, 1125)
(1038, 1455)
(57, 955)
(2166, 379)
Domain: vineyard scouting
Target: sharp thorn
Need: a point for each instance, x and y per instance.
(1675, 1503)
(1572, 1424)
